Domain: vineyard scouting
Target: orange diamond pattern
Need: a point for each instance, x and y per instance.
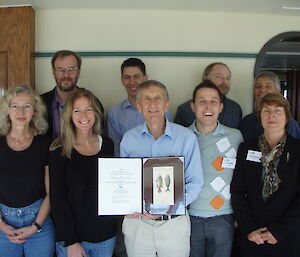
(217, 163)
(217, 202)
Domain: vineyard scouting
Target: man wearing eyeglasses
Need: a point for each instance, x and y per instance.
(125, 116)
(66, 70)
(220, 75)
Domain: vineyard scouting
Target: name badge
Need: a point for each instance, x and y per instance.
(253, 156)
(223, 144)
(228, 163)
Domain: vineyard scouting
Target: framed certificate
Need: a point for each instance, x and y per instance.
(143, 185)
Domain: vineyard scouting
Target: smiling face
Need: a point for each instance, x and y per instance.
(273, 118)
(152, 103)
(66, 80)
(263, 86)
(21, 109)
(132, 77)
(207, 107)
(83, 115)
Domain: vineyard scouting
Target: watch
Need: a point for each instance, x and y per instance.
(38, 226)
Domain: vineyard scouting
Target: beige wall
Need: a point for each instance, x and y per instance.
(150, 30)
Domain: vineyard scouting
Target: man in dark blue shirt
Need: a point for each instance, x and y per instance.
(220, 75)
(265, 82)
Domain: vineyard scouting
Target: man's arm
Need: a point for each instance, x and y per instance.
(111, 126)
(193, 170)
(293, 129)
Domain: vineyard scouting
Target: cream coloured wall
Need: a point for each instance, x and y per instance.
(152, 30)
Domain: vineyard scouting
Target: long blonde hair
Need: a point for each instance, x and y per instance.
(67, 127)
(38, 124)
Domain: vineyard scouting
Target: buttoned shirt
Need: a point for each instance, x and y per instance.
(175, 141)
(56, 110)
(121, 118)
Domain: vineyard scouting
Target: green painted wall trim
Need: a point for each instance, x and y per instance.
(156, 54)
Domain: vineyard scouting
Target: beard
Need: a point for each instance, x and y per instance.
(224, 88)
(66, 88)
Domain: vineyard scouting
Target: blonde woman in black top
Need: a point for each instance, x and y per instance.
(73, 180)
(25, 228)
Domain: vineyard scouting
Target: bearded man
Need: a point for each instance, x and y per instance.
(66, 66)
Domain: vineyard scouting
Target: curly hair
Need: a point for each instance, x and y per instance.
(38, 124)
(67, 127)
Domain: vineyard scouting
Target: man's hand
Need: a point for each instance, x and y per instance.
(134, 215)
(150, 217)
(145, 216)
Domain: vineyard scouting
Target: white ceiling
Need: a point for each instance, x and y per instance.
(249, 6)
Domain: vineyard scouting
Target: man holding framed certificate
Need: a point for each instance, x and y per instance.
(151, 235)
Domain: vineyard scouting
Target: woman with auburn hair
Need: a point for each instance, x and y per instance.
(265, 189)
(25, 228)
(73, 180)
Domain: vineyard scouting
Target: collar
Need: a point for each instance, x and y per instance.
(168, 129)
(127, 104)
(56, 99)
(219, 130)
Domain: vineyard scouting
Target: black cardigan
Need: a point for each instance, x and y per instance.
(280, 213)
(73, 197)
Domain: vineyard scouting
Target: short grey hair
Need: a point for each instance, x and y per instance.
(271, 75)
(210, 67)
(149, 83)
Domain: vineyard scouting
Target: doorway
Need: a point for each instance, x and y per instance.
(281, 55)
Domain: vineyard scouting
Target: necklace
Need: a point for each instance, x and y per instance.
(20, 141)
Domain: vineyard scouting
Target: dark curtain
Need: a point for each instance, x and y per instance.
(293, 82)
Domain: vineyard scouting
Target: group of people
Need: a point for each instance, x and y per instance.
(242, 176)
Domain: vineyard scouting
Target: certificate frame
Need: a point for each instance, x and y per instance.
(143, 185)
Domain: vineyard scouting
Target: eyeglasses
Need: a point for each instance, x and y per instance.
(221, 77)
(26, 107)
(62, 71)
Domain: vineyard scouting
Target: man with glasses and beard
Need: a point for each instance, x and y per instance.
(66, 70)
(231, 116)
